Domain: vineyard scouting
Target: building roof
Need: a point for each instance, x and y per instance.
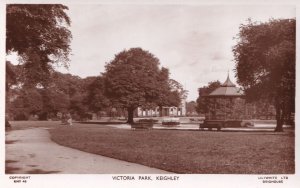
(227, 89)
(228, 83)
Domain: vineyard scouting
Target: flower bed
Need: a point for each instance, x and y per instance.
(142, 125)
(170, 122)
(147, 121)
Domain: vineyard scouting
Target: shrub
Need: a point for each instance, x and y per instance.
(142, 125)
(171, 121)
(147, 121)
(20, 116)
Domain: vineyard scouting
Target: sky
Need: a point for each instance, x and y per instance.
(194, 41)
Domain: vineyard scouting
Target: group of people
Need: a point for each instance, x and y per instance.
(66, 118)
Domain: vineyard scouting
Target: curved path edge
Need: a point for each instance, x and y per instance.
(31, 151)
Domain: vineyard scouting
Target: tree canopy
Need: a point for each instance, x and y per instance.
(133, 78)
(177, 87)
(64, 93)
(40, 36)
(191, 108)
(11, 77)
(95, 98)
(203, 91)
(172, 92)
(265, 63)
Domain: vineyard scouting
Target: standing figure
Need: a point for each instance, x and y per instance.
(69, 119)
(63, 119)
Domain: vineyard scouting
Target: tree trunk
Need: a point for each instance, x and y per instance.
(130, 115)
(279, 118)
(7, 124)
(160, 111)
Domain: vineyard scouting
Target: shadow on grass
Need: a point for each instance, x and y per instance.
(246, 132)
(39, 171)
(10, 161)
(258, 130)
(10, 170)
(8, 129)
(100, 123)
(32, 165)
(10, 141)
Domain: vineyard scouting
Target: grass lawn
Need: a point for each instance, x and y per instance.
(186, 151)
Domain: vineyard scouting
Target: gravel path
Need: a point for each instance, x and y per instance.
(31, 151)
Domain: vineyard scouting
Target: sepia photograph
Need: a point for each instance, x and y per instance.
(149, 91)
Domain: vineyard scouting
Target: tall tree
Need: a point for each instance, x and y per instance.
(176, 86)
(95, 98)
(134, 79)
(265, 64)
(191, 108)
(11, 77)
(172, 92)
(39, 34)
(203, 91)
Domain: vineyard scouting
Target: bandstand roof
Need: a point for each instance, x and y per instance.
(227, 89)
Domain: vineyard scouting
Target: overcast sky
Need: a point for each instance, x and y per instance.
(194, 41)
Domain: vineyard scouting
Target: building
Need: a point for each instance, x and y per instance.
(228, 103)
(166, 111)
(225, 102)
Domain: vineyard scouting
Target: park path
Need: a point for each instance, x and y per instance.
(32, 151)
